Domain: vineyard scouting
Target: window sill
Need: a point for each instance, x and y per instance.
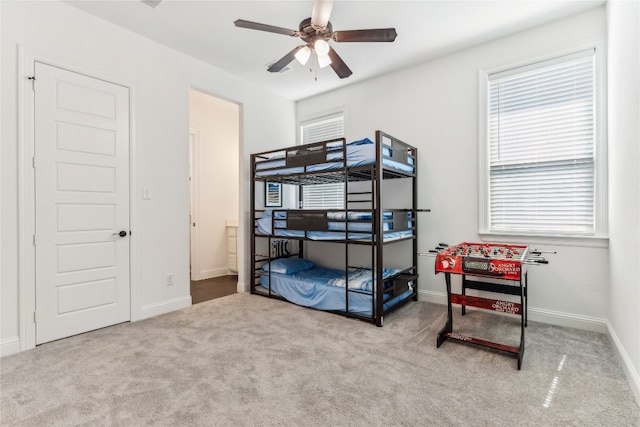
(579, 241)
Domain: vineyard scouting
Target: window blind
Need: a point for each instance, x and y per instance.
(541, 148)
(322, 196)
(322, 129)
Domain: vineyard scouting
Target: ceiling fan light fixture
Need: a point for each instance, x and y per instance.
(151, 3)
(321, 47)
(324, 60)
(302, 55)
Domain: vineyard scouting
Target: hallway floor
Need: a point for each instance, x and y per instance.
(205, 290)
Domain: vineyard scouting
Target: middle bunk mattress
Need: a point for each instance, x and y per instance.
(333, 225)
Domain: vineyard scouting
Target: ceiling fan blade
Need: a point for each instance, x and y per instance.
(276, 67)
(338, 65)
(373, 35)
(321, 12)
(264, 27)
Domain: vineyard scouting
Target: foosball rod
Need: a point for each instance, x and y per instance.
(434, 252)
(534, 259)
(430, 253)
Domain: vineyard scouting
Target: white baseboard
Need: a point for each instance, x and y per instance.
(537, 314)
(242, 287)
(431, 296)
(163, 307)
(568, 320)
(625, 362)
(211, 273)
(9, 346)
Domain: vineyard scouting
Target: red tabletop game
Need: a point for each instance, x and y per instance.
(483, 259)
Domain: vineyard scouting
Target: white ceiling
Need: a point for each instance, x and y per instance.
(426, 29)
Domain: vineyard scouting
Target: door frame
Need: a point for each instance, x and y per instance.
(26, 189)
(194, 199)
(241, 188)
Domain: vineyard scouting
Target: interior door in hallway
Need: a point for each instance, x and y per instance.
(82, 203)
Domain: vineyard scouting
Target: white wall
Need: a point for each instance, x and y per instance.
(434, 106)
(217, 124)
(161, 79)
(624, 179)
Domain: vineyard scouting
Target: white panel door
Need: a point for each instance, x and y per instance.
(82, 203)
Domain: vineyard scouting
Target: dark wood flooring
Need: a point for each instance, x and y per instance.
(205, 290)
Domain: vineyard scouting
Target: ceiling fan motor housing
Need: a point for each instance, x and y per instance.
(309, 34)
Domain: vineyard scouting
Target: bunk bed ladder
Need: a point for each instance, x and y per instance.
(377, 245)
(360, 199)
(252, 198)
(345, 205)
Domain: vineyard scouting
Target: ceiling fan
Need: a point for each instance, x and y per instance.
(316, 32)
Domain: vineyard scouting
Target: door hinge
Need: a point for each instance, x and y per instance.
(35, 317)
(33, 162)
(33, 82)
(34, 240)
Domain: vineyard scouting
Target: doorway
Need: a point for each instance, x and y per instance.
(214, 189)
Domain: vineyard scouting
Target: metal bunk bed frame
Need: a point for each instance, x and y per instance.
(309, 220)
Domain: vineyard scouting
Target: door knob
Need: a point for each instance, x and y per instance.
(121, 233)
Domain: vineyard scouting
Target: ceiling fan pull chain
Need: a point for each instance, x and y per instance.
(315, 69)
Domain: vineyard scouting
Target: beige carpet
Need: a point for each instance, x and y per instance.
(247, 360)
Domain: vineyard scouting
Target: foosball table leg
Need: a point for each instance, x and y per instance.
(448, 327)
(519, 361)
(521, 350)
(525, 299)
(523, 319)
(464, 292)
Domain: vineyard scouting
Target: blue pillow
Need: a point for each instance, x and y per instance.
(288, 265)
(268, 213)
(361, 142)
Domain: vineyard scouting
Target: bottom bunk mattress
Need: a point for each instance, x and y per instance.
(323, 289)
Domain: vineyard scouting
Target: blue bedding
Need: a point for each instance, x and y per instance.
(319, 288)
(359, 153)
(357, 230)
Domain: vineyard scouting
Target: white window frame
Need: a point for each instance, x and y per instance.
(316, 119)
(600, 236)
(319, 118)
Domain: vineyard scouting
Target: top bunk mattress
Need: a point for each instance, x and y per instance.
(332, 158)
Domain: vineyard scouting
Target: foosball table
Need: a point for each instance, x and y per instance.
(487, 260)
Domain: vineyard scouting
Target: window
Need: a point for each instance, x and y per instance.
(322, 128)
(322, 196)
(539, 165)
